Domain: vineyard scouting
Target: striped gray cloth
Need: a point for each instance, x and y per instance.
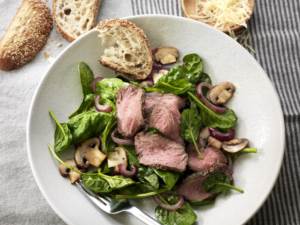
(275, 36)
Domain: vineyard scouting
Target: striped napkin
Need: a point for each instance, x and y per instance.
(275, 37)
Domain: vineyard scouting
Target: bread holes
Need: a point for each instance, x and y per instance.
(128, 57)
(67, 11)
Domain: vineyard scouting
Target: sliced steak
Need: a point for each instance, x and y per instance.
(162, 112)
(213, 159)
(167, 121)
(159, 152)
(129, 110)
(191, 188)
(154, 98)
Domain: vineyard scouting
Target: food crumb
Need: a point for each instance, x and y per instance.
(59, 45)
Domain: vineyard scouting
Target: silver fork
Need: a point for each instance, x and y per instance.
(114, 207)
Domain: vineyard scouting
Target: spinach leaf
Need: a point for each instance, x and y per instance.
(107, 88)
(174, 82)
(62, 136)
(148, 176)
(182, 78)
(137, 190)
(101, 183)
(190, 125)
(105, 136)
(219, 182)
(211, 119)
(183, 216)
(86, 77)
(169, 178)
(193, 67)
(87, 104)
(203, 202)
(88, 124)
(132, 157)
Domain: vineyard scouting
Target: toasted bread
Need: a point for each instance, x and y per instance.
(126, 48)
(26, 35)
(73, 17)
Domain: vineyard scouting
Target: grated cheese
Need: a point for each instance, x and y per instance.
(224, 14)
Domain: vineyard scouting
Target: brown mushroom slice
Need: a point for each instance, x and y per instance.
(220, 94)
(213, 142)
(117, 157)
(65, 171)
(158, 75)
(166, 55)
(88, 153)
(235, 145)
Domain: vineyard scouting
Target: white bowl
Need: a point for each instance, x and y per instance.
(256, 104)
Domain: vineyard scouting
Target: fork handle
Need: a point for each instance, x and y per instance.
(142, 216)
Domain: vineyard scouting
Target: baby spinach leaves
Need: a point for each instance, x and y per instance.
(211, 119)
(169, 178)
(101, 183)
(218, 182)
(62, 136)
(107, 88)
(86, 104)
(105, 136)
(86, 78)
(190, 125)
(88, 124)
(182, 216)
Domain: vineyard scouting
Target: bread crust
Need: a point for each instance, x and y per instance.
(26, 35)
(60, 29)
(106, 24)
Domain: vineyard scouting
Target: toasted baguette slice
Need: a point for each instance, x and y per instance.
(126, 48)
(73, 17)
(26, 35)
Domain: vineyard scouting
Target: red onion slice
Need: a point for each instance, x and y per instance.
(204, 100)
(120, 141)
(101, 108)
(125, 172)
(94, 83)
(229, 135)
(166, 206)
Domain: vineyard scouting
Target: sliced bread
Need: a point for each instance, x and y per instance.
(26, 34)
(75, 17)
(126, 48)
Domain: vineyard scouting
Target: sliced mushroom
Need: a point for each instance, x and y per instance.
(235, 145)
(221, 93)
(67, 172)
(166, 55)
(203, 136)
(117, 157)
(88, 153)
(158, 75)
(213, 142)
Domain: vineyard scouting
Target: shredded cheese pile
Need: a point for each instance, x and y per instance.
(224, 14)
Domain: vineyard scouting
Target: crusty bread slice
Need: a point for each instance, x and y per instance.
(126, 48)
(74, 17)
(26, 35)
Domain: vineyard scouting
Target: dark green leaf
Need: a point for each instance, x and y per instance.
(203, 202)
(62, 136)
(132, 157)
(176, 87)
(87, 103)
(105, 136)
(211, 119)
(86, 77)
(101, 183)
(148, 176)
(137, 190)
(190, 125)
(88, 124)
(193, 67)
(107, 88)
(183, 216)
(169, 178)
(218, 182)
